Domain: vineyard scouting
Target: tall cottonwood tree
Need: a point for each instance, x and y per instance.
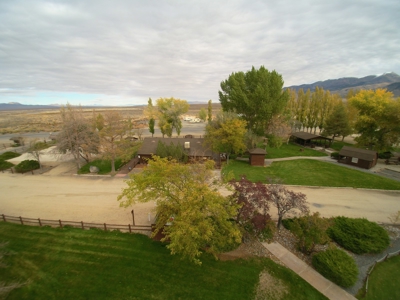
(169, 112)
(151, 114)
(256, 96)
(209, 111)
(186, 198)
(77, 134)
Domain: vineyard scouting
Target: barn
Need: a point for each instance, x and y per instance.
(357, 157)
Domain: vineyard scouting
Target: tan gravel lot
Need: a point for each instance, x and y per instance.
(93, 199)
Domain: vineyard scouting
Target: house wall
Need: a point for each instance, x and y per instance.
(360, 162)
(257, 159)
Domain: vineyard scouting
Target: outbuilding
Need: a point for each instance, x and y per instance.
(257, 156)
(309, 139)
(358, 157)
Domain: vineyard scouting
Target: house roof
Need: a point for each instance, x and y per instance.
(257, 151)
(364, 154)
(197, 148)
(308, 136)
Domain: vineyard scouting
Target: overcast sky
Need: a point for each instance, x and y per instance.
(123, 52)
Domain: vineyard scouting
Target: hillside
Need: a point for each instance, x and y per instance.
(391, 81)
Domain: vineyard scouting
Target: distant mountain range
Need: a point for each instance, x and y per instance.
(389, 81)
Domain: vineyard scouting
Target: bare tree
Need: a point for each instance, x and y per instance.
(35, 148)
(112, 135)
(77, 135)
(286, 201)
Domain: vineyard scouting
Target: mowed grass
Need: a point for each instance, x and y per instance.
(103, 165)
(383, 282)
(75, 264)
(290, 150)
(311, 173)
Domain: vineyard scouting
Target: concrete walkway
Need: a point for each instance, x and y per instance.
(323, 285)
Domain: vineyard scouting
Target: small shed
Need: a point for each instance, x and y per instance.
(361, 158)
(257, 156)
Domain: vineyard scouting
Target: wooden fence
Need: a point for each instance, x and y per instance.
(143, 229)
(389, 255)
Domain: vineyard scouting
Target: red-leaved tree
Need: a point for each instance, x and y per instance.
(254, 201)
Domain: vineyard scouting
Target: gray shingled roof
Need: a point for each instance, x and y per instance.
(364, 154)
(197, 148)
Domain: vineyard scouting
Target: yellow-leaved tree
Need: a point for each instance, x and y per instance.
(200, 217)
(378, 119)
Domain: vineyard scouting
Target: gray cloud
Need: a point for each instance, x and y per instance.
(140, 49)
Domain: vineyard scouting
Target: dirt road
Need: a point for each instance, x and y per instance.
(93, 199)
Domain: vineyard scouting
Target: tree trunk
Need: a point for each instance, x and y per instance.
(112, 165)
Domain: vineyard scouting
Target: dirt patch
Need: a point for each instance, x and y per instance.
(270, 287)
(240, 252)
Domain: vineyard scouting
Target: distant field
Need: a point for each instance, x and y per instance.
(36, 120)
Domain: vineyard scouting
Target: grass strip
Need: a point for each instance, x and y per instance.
(71, 263)
(311, 173)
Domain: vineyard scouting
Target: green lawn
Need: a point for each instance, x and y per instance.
(103, 165)
(75, 264)
(312, 173)
(290, 150)
(338, 145)
(383, 282)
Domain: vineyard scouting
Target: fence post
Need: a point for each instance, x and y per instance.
(105, 227)
(130, 229)
(59, 221)
(4, 218)
(83, 227)
(40, 222)
(133, 217)
(22, 222)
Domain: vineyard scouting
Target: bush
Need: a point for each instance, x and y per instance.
(337, 266)
(26, 166)
(335, 155)
(385, 155)
(359, 235)
(310, 230)
(8, 155)
(4, 165)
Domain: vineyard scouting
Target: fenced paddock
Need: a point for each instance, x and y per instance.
(143, 229)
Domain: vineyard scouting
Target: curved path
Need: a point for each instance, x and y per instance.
(93, 199)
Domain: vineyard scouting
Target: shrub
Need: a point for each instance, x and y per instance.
(336, 265)
(4, 165)
(8, 155)
(385, 155)
(335, 155)
(359, 235)
(26, 166)
(310, 230)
